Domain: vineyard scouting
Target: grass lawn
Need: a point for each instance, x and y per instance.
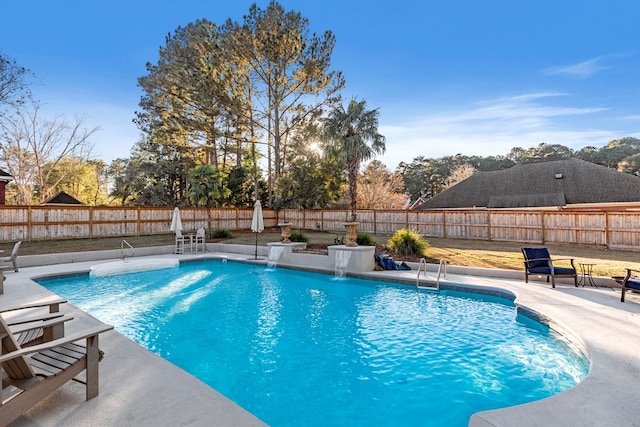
(470, 253)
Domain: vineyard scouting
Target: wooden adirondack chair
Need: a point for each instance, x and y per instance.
(13, 258)
(31, 326)
(32, 373)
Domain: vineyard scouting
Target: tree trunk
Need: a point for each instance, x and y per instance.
(353, 165)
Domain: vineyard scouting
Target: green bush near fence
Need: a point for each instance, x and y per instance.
(365, 239)
(298, 236)
(220, 233)
(408, 243)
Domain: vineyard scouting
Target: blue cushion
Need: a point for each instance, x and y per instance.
(633, 284)
(536, 253)
(540, 270)
(558, 271)
(386, 262)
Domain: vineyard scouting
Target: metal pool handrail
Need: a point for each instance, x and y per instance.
(422, 268)
(124, 242)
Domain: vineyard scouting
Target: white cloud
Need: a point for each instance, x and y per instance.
(492, 127)
(522, 108)
(582, 69)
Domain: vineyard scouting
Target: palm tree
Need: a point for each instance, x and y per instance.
(206, 188)
(354, 134)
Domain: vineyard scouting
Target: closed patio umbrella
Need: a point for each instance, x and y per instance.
(257, 222)
(176, 227)
(176, 222)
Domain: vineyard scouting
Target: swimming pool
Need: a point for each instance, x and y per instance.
(297, 348)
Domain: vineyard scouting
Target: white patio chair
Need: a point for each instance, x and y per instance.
(199, 240)
(181, 239)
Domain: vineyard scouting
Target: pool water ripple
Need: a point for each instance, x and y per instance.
(297, 348)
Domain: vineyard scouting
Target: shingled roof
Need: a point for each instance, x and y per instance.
(555, 183)
(62, 198)
(4, 176)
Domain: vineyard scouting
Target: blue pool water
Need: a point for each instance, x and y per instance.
(298, 348)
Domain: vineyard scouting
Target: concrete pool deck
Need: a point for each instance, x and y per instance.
(139, 388)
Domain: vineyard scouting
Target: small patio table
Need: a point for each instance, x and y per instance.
(586, 270)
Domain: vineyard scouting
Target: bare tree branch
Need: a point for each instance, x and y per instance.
(32, 148)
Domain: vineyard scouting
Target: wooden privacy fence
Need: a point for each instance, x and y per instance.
(615, 229)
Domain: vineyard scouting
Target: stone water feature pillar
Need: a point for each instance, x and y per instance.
(361, 258)
(284, 250)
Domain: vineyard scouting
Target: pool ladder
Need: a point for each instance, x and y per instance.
(422, 268)
(124, 242)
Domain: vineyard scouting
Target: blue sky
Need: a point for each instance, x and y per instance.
(449, 76)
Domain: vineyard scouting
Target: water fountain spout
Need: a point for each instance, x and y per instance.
(342, 262)
(274, 255)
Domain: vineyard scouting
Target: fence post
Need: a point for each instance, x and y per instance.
(606, 230)
(444, 225)
(91, 222)
(375, 221)
(29, 223)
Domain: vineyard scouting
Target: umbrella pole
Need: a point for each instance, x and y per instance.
(256, 246)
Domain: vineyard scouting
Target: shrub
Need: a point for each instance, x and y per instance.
(408, 243)
(220, 233)
(365, 239)
(298, 236)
